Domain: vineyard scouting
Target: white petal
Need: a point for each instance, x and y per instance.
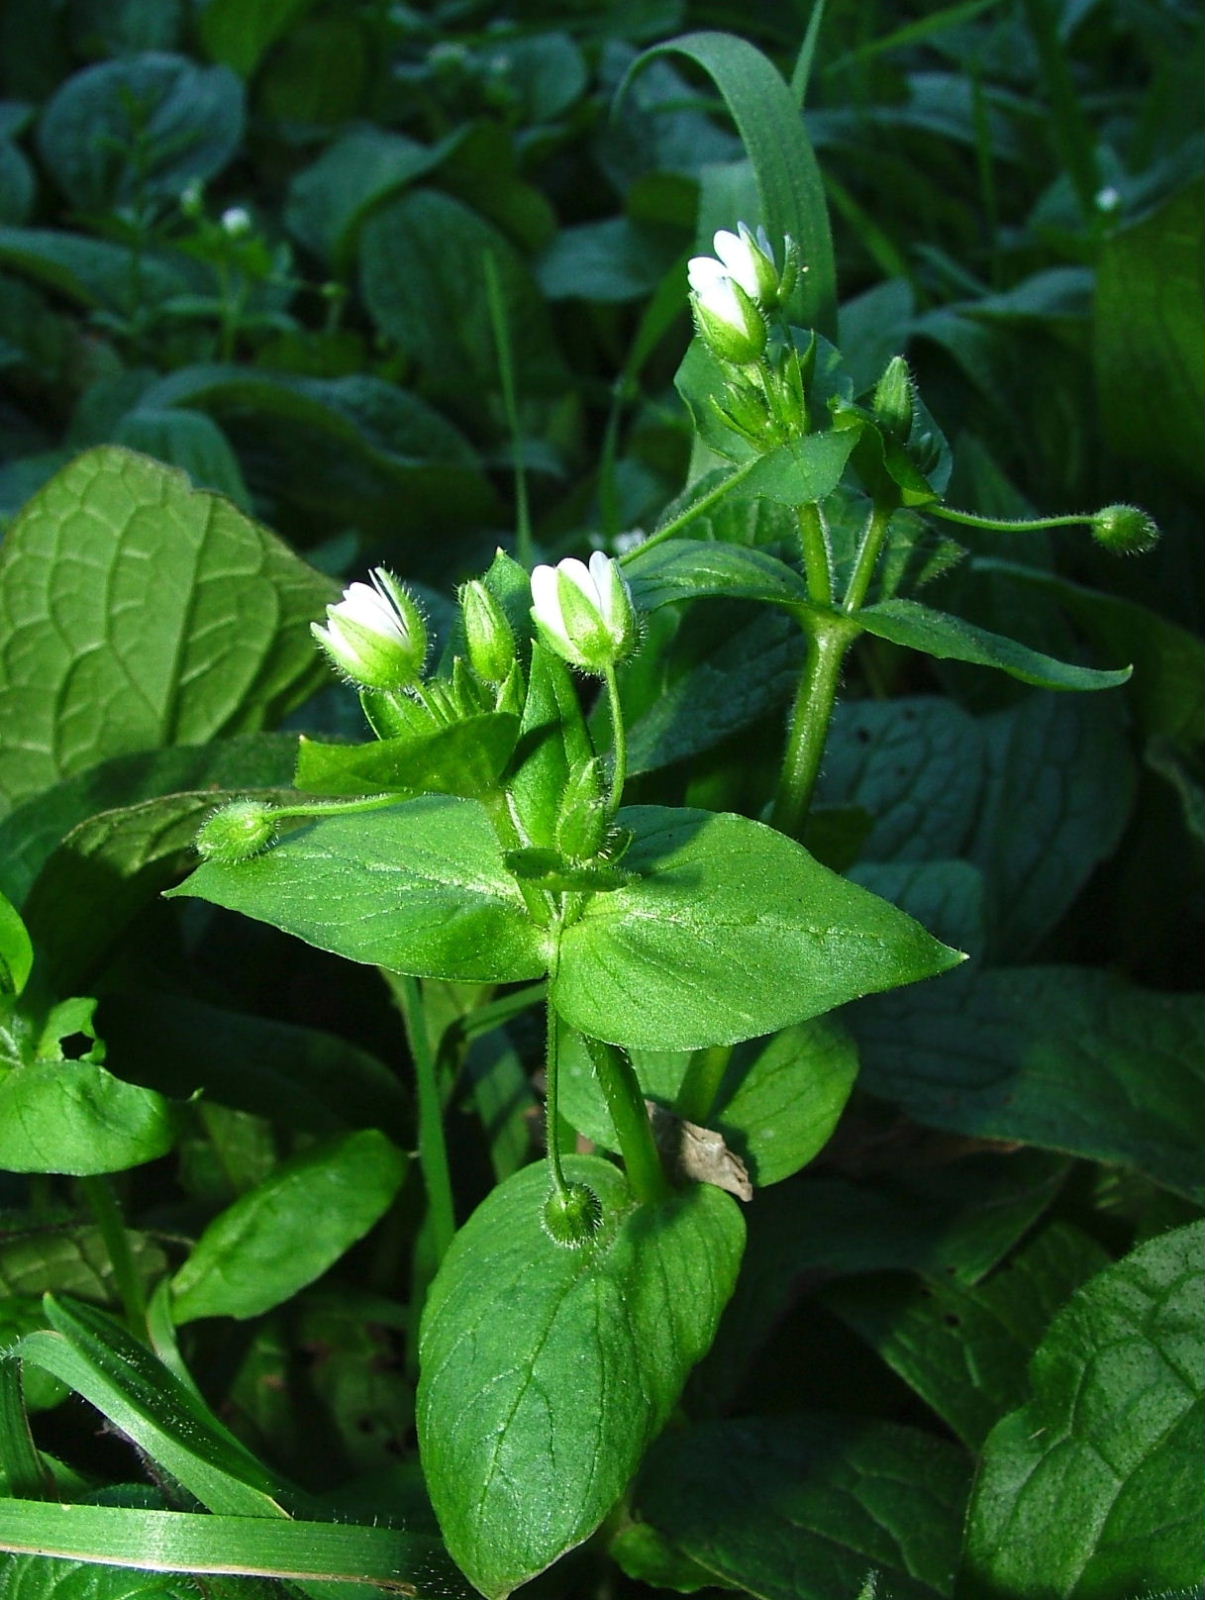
(734, 252)
(703, 273)
(580, 577)
(545, 601)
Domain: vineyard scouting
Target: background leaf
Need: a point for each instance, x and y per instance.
(1093, 1487)
(287, 1231)
(803, 1507)
(138, 612)
(1066, 1058)
(121, 131)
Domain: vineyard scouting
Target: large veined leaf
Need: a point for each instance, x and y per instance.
(418, 888)
(805, 1507)
(1094, 1489)
(137, 612)
(531, 1423)
(731, 931)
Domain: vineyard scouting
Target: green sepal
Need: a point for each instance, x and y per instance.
(553, 743)
(468, 759)
(548, 869)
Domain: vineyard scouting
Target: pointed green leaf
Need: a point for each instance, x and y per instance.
(136, 612)
(16, 951)
(732, 931)
(936, 633)
(288, 1230)
(531, 1423)
(418, 888)
(787, 176)
(685, 569)
(1094, 1489)
(96, 1356)
(466, 759)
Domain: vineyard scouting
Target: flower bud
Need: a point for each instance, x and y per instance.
(892, 404)
(584, 613)
(572, 1216)
(749, 261)
(1126, 530)
(237, 832)
(581, 827)
(489, 636)
(375, 636)
(726, 316)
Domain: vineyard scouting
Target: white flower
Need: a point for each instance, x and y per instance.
(749, 261)
(584, 613)
(375, 635)
(726, 315)
(236, 222)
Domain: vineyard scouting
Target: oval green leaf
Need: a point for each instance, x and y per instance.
(289, 1229)
(531, 1423)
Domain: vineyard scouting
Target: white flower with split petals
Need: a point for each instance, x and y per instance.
(584, 613)
(375, 634)
(726, 315)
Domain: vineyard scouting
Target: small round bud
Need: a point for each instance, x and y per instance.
(572, 1216)
(489, 636)
(237, 832)
(375, 635)
(1126, 530)
(585, 613)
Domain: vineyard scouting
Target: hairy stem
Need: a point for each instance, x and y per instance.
(817, 558)
(810, 718)
(625, 1102)
(619, 741)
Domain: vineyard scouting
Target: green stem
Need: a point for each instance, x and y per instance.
(1006, 524)
(810, 717)
(102, 1202)
(496, 803)
(625, 1102)
(619, 741)
(696, 509)
(552, 1084)
(868, 556)
(817, 561)
(701, 1083)
(432, 1146)
(322, 808)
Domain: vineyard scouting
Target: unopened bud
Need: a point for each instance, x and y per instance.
(585, 613)
(237, 832)
(1126, 530)
(581, 827)
(892, 404)
(488, 634)
(726, 316)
